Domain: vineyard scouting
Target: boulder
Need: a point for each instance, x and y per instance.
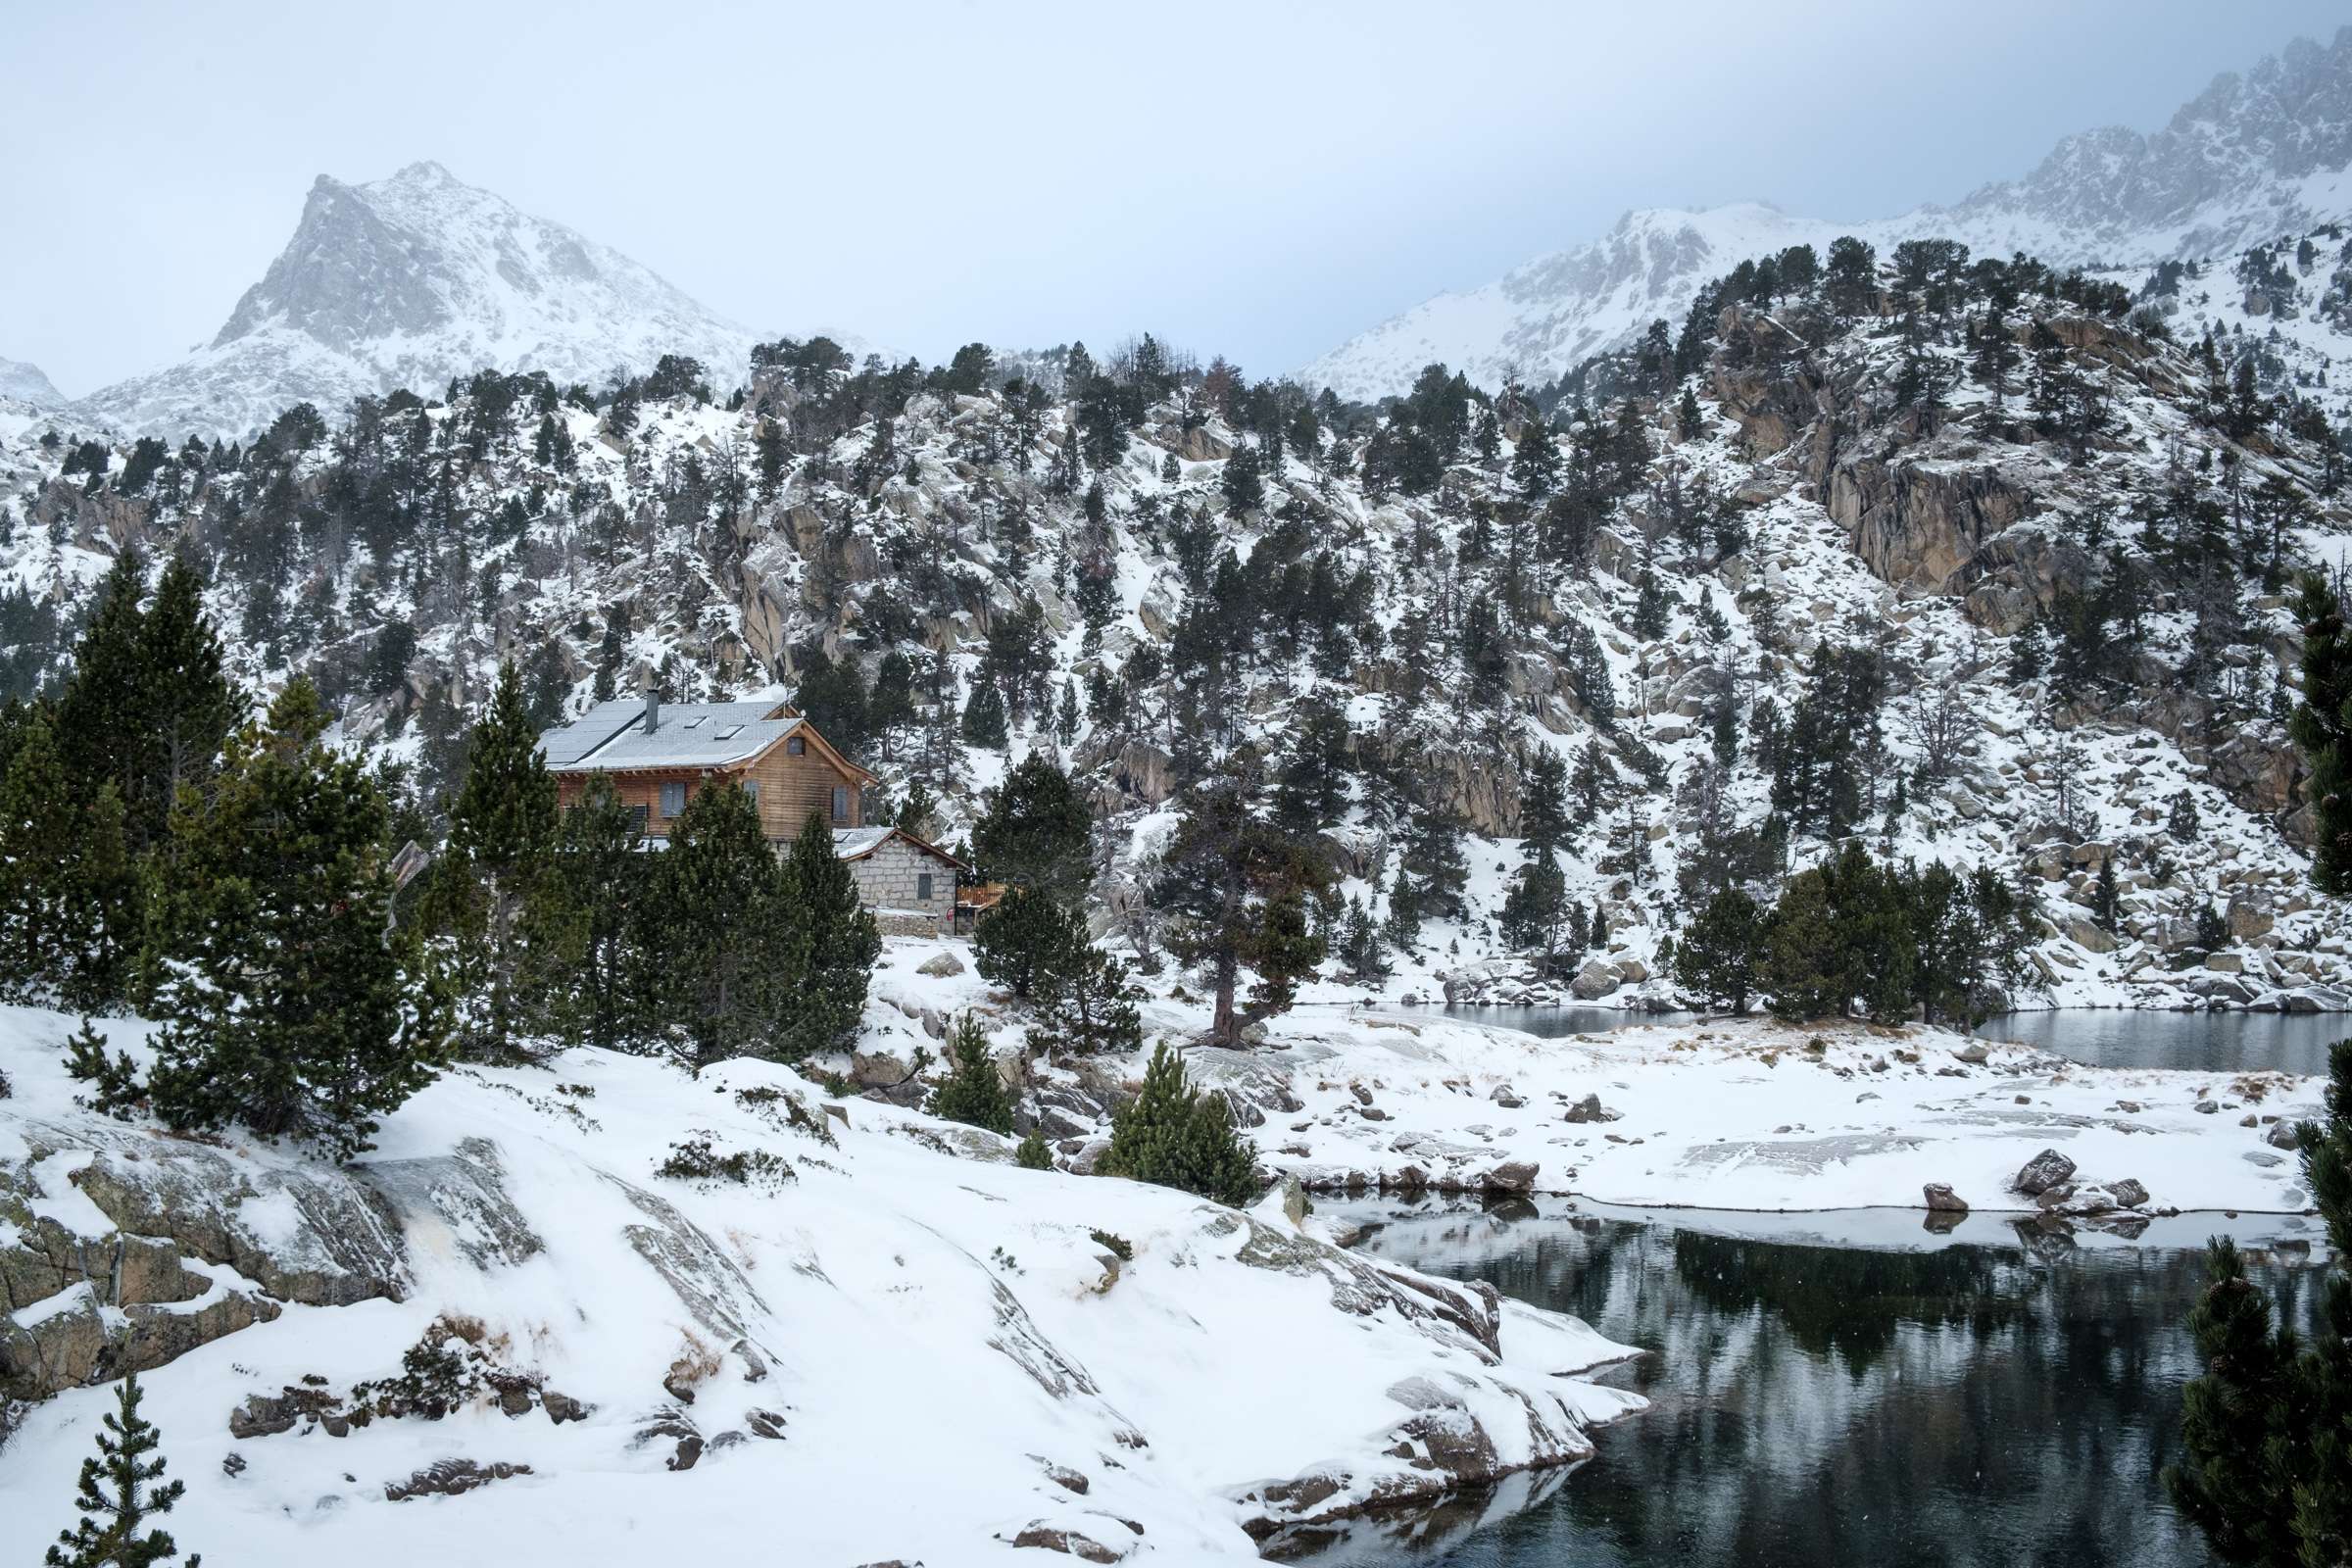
(1596, 979)
(940, 965)
(2043, 1171)
(1943, 1199)
(2089, 936)
(1511, 1176)
(1590, 1109)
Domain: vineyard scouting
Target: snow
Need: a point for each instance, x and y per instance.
(1756, 1115)
(932, 1329)
(416, 280)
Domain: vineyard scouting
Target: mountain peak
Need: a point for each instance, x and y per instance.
(2254, 155)
(410, 282)
(25, 383)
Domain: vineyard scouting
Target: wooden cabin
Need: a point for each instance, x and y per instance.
(658, 755)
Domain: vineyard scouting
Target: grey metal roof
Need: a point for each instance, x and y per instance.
(610, 737)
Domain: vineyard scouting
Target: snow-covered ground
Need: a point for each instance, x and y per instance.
(1730, 1113)
(892, 1344)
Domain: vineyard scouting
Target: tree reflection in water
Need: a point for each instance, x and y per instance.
(1962, 1403)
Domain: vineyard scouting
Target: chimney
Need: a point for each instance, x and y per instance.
(653, 709)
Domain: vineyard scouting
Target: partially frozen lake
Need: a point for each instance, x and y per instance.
(2103, 1037)
(1868, 1392)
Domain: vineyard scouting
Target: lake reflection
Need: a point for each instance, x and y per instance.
(2005, 1402)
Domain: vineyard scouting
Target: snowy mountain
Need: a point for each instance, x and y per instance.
(1402, 613)
(2249, 158)
(411, 281)
(27, 384)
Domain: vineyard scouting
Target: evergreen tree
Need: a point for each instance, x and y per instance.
(1037, 832)
(582, 921)
(1023, 935)
(1223, 880)
(1031, 1153)
(715, 958)
(502, 834)
(1173, 1135)
(1720, 953)
(2268, 1427)
(1842, 937)
(2181, 821)
(984, 724)
(288, 1001)
(68, 892)
(973, 1092)
(2106, 907)
(833, 939)
(2323, 728)
(1086, 1004)
(118, 1497)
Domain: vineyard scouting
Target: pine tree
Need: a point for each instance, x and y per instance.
(1037, 832)
(502, 834)
(973, 1092)
(984, 724)
(582, 921)
(1031, 1153)
(1025, 935)
(2268, 1427)
(1087, 1005)
(833, 939)
(1720, 953)
(1173, 1135)
(2323, 728)
(57, 938)
(2107, 896)
(713, 955)
(290, 1004)
(1220, 880)
(115, 1496)
(2181, 821)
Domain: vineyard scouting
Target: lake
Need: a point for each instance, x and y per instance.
(2106, 1037)
(1994, 1397)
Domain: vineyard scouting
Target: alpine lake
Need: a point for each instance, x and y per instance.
(1855, 1388)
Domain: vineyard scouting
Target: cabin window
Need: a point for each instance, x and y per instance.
(751, 787)
(923, 887)
(841, 804)
(796, 746)
(637, 818)
(673, 798)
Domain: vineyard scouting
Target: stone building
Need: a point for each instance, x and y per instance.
(908, 884)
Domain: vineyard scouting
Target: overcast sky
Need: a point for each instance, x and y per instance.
(1260, 180)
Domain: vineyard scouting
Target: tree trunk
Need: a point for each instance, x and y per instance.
(1226, 1029)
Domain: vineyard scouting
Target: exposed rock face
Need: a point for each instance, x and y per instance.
(186, 1244)
(450, 1478)
(1916, 526)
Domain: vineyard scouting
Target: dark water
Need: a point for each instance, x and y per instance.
(2106, 1037)
(1997, 1401)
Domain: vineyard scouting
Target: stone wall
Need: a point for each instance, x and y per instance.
(890, 879)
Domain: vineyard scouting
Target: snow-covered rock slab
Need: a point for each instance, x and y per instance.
(876, 1349)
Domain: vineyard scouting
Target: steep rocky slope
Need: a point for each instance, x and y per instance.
(2251, 157)
(1413, 627)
